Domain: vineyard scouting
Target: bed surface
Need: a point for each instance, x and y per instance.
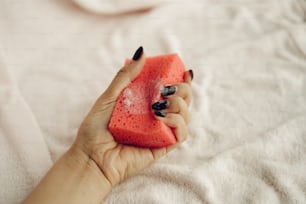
(247, 136)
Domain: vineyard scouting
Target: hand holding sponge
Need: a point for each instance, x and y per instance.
(133, 121)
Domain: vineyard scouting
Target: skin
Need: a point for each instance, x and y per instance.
(96, 163)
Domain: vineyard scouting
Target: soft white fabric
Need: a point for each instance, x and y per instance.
(117, 6)
(247, 141)
(25, 156)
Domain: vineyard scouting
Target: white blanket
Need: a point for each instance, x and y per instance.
(247, 138)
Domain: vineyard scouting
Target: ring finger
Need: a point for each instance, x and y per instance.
(173, 104)
(183, 90)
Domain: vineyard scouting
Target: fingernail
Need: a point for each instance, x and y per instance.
(160, 113)
(168, 90)
(138, 53)
(191, 73)
(160, 105)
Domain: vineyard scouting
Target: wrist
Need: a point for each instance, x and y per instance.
(74, 178)
(77, 160)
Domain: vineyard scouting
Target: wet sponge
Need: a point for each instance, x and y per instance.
(132, 120)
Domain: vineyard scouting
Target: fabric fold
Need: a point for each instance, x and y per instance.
(111, 7)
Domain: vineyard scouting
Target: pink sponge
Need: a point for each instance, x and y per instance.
(132, 120)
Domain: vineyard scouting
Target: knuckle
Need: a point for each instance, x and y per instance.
(181, 104)
(182, 133)
(180, 120)
(176, 100)
(184, 90)
(175, 119)
(122, 71)
(171, 117)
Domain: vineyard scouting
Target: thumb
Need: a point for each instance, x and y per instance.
(127, 74)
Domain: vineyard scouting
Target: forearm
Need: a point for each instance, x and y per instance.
(73, 179)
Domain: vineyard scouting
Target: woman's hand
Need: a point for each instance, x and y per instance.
(95, 162)
(117, 161)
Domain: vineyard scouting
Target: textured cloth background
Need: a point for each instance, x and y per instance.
(247, 141)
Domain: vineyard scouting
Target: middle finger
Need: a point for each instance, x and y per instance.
(183, 90)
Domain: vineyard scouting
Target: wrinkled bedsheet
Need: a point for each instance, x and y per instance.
(247, 136)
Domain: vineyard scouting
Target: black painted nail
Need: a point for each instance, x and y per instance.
(160, 113)
(168, 90)
(191, 73)
(160, 105)
(138, 53)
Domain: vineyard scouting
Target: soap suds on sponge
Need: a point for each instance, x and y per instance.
(138, 97)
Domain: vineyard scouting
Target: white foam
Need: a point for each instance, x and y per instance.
(138, 97)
